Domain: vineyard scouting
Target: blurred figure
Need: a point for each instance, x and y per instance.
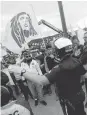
(5, 82)
(9, 107)
(11, 59)
(77, 48)
(85, 51)
(49, 59)
(49, 63)
(85, 41)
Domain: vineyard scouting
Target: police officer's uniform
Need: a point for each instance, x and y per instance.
(67, 77)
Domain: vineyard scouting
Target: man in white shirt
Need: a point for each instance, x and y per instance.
(9, 107)
(31, 65)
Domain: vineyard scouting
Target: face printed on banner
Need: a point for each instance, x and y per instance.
(23, 20)
(21, 27)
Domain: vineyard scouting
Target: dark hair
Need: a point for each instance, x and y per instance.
(5, 96)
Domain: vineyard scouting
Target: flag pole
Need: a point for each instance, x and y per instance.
(62, 18)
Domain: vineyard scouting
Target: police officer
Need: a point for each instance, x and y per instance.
(66, 76)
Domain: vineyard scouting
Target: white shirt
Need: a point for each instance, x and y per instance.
(14, 109)
(17, 75)
(33, 67)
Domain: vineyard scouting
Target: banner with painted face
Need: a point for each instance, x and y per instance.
(21, 28)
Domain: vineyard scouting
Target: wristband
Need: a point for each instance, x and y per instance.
(23, 71)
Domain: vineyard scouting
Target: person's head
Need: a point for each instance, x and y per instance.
(27, 55)
(5, 96)
(48, 50)
(85, 37)
(10, 59)
(75, 40)
(63, 46)
(21, 27)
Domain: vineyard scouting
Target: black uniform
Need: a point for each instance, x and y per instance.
(67, 78)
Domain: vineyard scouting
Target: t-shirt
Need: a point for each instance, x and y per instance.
(32, 67)
(14, 109)
(67, 76)
(17, 75)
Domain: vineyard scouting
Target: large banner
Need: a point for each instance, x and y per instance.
(22, 26)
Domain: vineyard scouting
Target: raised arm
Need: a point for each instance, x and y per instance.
(40, 79)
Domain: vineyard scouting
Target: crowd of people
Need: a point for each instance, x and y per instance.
(63, 64)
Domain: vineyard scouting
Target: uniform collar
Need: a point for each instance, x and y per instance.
(65, 57)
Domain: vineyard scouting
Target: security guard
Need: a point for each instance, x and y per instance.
(66, 76)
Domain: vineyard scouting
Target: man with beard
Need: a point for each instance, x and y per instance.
(31, 65)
